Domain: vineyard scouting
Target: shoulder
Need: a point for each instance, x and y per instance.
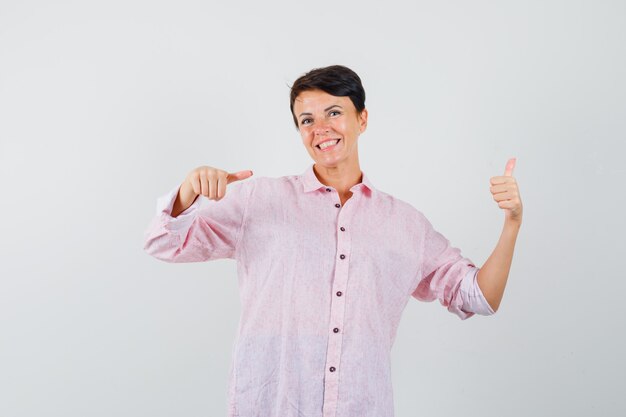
(274, 185)
(397, 205)
(281, 181)
(404, 214)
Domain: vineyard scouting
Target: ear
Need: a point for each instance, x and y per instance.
(363, 120)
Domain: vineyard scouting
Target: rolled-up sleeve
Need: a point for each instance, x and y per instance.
(447, 276)
(473, 299)
(206, 230)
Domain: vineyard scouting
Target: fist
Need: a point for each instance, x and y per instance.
(505, 192)
(211, 182)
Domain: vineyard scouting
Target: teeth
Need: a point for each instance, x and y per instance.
(328, 143)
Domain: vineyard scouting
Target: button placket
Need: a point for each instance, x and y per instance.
(337, 312)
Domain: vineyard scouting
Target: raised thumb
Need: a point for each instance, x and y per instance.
(240, 175)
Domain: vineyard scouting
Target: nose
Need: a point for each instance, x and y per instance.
(322, 130)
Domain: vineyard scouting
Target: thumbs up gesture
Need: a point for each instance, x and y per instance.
(506, 194)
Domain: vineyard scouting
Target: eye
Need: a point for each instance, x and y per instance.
(303, 122)
(334, 111)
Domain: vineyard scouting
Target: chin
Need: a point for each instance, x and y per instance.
(328, 163)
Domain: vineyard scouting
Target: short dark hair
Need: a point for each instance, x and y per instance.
(336, 80)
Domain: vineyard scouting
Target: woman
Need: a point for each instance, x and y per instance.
(326, 263)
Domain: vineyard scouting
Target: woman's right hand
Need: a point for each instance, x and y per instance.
(211, 182)
(207, 181)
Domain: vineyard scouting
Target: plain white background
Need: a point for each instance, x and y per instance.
(104, 106)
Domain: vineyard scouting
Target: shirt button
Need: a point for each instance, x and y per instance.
(342, 256)
(337, 205)
(343, 229)
(332, 369)
(338, 293)
(336, 330)
(328, 189)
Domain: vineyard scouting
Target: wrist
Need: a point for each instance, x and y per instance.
(513, 225)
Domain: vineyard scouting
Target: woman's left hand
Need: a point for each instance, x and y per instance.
(506, 194)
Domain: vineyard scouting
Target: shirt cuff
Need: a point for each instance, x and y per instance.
(164, 207)
(473, 299)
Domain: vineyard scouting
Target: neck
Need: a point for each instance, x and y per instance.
(341, 178)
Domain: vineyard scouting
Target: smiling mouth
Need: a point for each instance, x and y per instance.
(338, 140)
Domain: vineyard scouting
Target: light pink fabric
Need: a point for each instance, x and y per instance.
(320, 304)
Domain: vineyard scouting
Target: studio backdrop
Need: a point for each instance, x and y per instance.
(105, 106)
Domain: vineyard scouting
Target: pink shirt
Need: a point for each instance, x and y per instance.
(322, 288)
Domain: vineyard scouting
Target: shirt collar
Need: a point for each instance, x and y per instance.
(311, 183)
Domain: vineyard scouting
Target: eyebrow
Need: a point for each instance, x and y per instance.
(326, 109)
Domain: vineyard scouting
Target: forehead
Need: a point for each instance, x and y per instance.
(318, 100)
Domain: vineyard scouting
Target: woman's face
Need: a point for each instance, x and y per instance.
(325, 118)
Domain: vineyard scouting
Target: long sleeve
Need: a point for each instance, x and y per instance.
(206, 230)
(449, 277)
